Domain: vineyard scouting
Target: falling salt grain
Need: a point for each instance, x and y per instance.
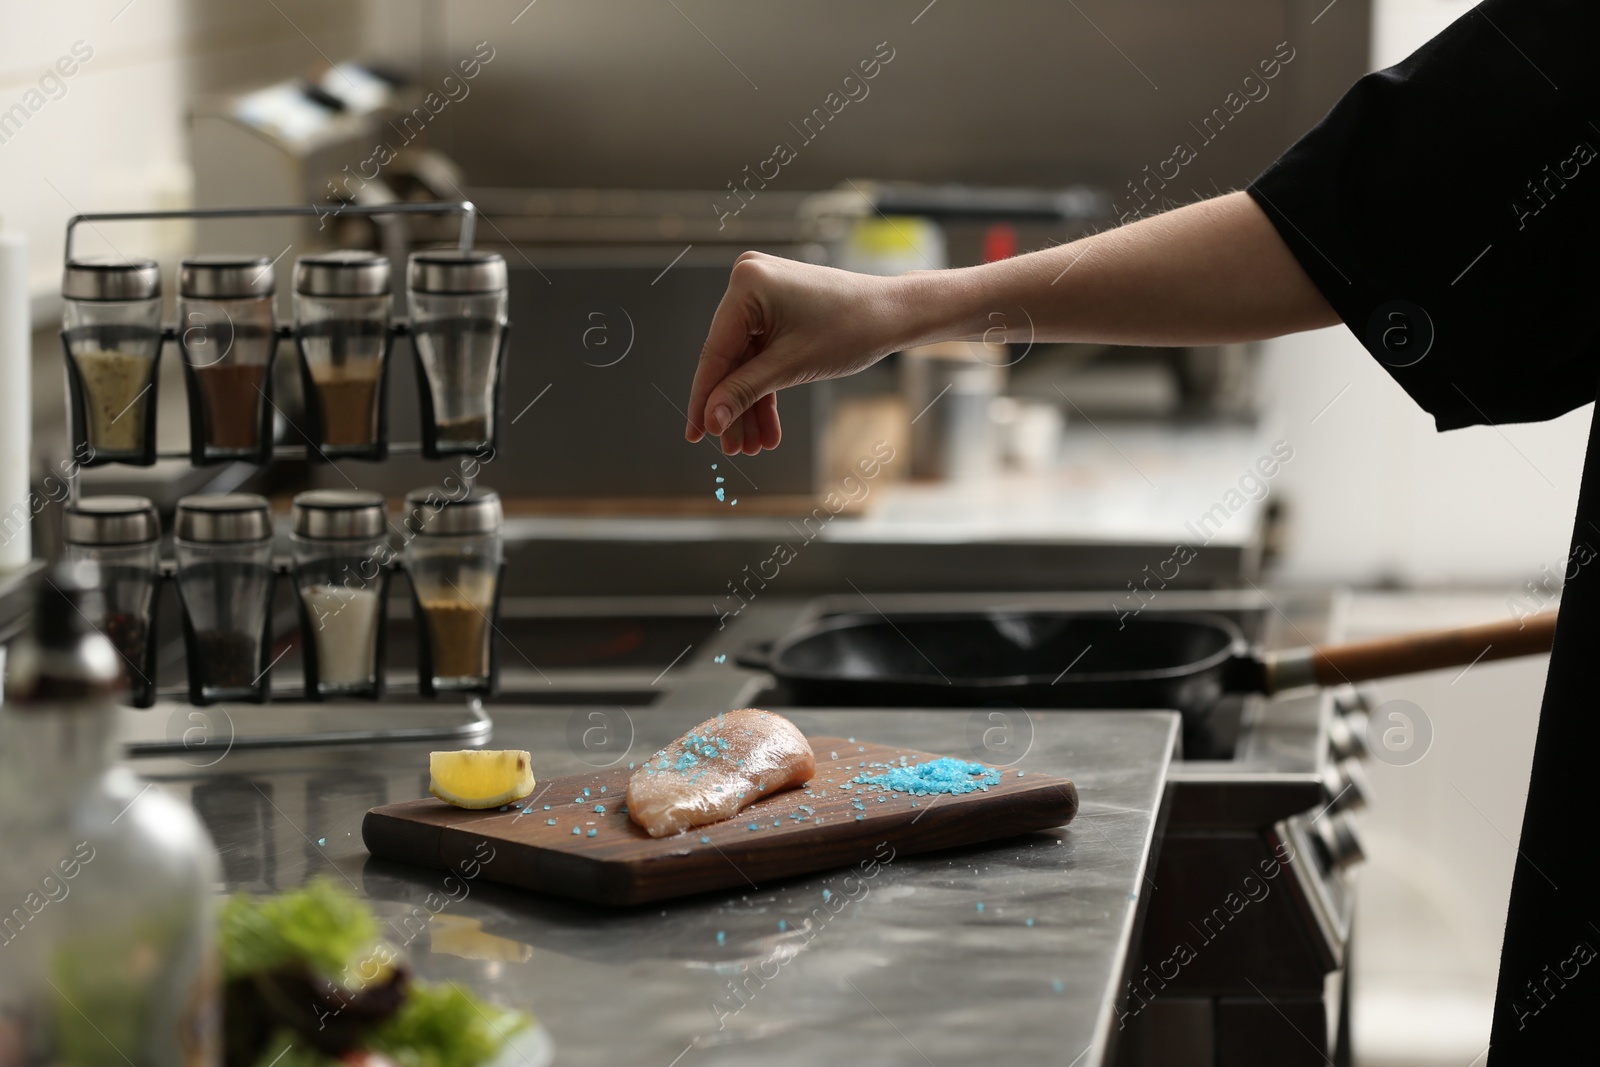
(721, 936)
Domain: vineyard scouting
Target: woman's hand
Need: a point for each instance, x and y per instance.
(1210, 273)
(783, 323)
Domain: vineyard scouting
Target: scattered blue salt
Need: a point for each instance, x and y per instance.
(630, 765)
(1058, 985)
(721, 936)
(833, 755)
(505, 807)
(324, 840)
(1028, 922)
(549, 822)
(713, 466)
(980, 905)
(547, 807)
(827, 894)
(734, 502)
(721, 658)
(860, 817)
(704, 840)
(585, 790)
(602, 789)
(753, 826)
(721, 493)
(944, 775)
(576, 831)
(1021, 773)
(599, 809)
(851, 740)
(782, 925)
(593, 832)
(719, 479)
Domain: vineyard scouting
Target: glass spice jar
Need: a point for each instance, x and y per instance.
(340, 552)
(341, 316)
(228, 335)
(224, 552)
(111, 327)
(457, 304)
(453, 561)
(122, 535)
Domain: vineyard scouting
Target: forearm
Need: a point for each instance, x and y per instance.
(1209, 273)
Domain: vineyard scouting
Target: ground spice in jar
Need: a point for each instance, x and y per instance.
(464, 430)
(228, 659)
(347, 396)
(458, 638)
(113, 381)
(233, 396)
(128, 634)
(345, 621)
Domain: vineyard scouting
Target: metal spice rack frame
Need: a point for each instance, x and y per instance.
(264, 730)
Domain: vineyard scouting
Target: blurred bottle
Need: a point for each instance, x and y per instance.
(107, 931)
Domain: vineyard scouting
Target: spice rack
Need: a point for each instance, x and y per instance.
(264, 724)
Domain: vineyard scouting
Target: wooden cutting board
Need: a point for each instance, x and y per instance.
(533, 848)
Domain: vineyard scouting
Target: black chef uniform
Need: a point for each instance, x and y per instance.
(1449, 209)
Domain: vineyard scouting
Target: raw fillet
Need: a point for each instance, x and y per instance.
(720, 767)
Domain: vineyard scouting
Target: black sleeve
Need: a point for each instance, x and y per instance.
(1449, 209)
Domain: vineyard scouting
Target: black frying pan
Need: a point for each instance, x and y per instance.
(1081, 660)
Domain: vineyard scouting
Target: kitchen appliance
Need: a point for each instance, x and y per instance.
(580, 844)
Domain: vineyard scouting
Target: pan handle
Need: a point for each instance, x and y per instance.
(1408, 653)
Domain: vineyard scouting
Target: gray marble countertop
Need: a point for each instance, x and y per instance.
(1011, 951)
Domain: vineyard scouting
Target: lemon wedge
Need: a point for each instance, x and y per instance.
(476, 778)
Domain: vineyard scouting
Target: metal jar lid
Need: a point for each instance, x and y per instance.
(111, 520)
(452, 271)
(348, 272)
(435, 513)
(226, 277)
(111, 278)
(224, 518)
(338, 514)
